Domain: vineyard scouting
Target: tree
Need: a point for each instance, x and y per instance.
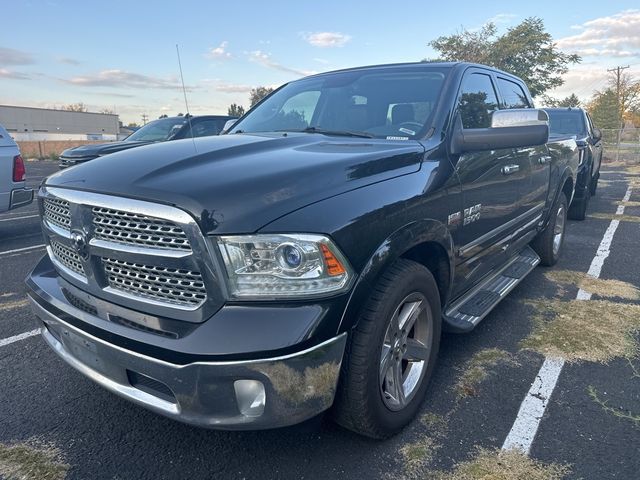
(107, 111)
(258, 94)
(569, 101)
(525, 50)
(75, 107)
(133, 125)
(164, 115)
(603, 109)
(235, 110)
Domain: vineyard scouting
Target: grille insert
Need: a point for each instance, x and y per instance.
(57, 213)
(67, 257)
(139, 230)
(167, 285)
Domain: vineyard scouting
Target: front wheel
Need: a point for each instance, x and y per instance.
(548, 244)
(391, 353)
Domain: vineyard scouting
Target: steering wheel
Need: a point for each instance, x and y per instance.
(414, 126)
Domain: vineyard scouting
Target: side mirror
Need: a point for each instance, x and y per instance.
(597, 134)
(522, 127)
(228, 125)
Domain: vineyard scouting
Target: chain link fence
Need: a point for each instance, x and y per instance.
(621, 145)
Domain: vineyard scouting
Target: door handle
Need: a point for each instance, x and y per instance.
(509, 169)
(543, 160)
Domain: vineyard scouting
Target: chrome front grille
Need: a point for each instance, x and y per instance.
(139, 230)
(162, 284)
(67, 257)
(57, 212)
(139, 255)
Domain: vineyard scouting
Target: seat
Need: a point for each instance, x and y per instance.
(401, 113)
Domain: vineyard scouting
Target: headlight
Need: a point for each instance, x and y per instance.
(277, 266)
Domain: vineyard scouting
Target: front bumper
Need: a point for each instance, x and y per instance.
(208, 394)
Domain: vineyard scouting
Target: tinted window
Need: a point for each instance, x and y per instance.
(157, 130)
(205, 128)
(477, 101)
(382, 103)
(566, 122)
(513, 95)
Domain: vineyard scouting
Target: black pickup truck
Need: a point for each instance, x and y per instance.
(309, 258)
(577, 122)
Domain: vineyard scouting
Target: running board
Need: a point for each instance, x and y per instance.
(468, 311)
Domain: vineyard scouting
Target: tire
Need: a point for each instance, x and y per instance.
(548, 245)
(363, 402)
(578, 208)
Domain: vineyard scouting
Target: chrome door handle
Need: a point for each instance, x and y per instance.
(509, 169)
(544, 159)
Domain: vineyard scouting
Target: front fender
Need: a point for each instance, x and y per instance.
(392, 248)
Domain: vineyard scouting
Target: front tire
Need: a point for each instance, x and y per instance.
(391, 353)
(548, 244)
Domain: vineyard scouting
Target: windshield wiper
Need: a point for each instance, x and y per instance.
(342, 133)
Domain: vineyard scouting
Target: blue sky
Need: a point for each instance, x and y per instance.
(121, 55)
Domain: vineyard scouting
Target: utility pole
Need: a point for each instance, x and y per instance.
(145, 117)
(618, 74)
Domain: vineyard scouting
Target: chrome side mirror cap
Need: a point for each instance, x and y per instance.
(519, 117)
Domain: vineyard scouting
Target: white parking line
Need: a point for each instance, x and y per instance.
(16, 338)
(17, 218)
(532, 409)
(20, 250)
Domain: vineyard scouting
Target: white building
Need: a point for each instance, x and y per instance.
(26, 123)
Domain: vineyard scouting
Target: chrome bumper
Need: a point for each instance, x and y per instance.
(251, 394)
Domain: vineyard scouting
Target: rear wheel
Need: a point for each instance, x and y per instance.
(548, 244)
(391, 353)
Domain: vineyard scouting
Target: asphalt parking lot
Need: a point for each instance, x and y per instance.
(66, 425)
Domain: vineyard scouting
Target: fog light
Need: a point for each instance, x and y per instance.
(250, 396)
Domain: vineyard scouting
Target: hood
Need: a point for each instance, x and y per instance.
(239, 183)
(99, 149)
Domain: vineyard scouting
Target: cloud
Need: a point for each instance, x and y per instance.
(10, 56)
(583, 80)
(613, 36)
(9, 74)
(502, 18)
(121, 78)
(326, 39)
(321, 60)
(265, 60)
(69, 61)
(233, 88)
(220, 52)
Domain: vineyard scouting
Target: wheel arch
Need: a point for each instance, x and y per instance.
(427, 242)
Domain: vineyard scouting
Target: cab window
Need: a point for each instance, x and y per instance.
(513, 95)
(478, 101)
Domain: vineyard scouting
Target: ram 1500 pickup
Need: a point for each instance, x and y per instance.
(309, 258)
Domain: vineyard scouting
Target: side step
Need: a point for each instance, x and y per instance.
(468, 311)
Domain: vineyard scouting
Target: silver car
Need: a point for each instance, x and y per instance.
(13, 190)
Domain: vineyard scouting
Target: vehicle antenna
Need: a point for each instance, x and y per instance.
(186, 104)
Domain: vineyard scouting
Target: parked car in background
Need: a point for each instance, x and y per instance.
(13, 190)
(577, 122)
(310, 257)
(162, 130)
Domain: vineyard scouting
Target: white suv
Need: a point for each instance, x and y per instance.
(13, 190)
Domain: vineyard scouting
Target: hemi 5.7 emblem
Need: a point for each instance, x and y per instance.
(472, 214)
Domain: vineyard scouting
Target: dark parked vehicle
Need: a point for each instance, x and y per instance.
(162, 130)
(309, 258)
(577, 122)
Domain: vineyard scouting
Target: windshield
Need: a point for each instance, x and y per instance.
(381, 103)
(565, 122)
(157, 131)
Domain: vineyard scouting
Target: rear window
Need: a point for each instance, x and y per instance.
(566, 122)
(5, 139)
